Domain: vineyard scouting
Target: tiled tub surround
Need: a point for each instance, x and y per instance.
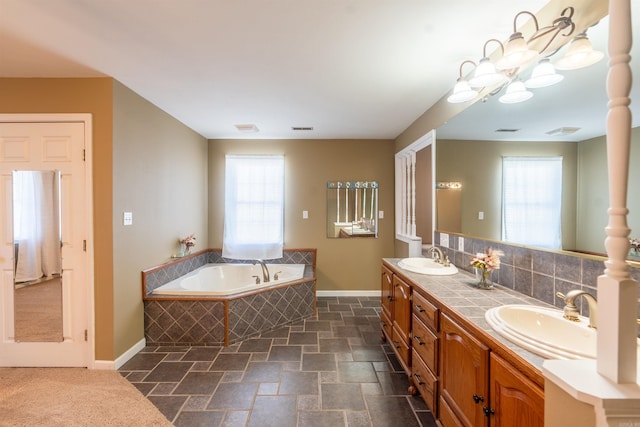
(533, 272)
(216, 321)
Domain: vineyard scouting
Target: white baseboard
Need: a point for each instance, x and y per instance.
(113, 365)
(135, 349)
(348, 293)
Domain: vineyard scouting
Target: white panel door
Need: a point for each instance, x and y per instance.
(60, 147)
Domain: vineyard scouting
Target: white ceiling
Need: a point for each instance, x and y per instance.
(348, 68)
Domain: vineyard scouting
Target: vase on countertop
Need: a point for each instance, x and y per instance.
(483, 277)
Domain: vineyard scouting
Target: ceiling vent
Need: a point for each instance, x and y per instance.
(563, 131)
(301, 127)
(247, 128)
(507, 130)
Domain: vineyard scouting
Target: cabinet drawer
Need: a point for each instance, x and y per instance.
(386, 325)
(401, 348)
(425, 343)
(425, 311)
(425, 381)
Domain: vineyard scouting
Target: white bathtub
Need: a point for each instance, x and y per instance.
(228, 279)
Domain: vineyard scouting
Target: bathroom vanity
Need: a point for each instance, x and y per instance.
(466, 373)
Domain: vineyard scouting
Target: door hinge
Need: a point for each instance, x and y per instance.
(86, 335)
(84, 245)
(84, 155)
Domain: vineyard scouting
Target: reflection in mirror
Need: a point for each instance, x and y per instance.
(37, 256)
(352, 209)
(471, 147)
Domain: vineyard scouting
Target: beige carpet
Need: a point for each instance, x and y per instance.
(38, 312)
(72, 397)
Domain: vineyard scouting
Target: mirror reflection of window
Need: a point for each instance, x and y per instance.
(37, 256)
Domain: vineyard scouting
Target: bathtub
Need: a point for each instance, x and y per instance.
(229, 279)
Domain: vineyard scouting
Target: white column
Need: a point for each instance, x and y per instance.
(407, 198)
(617, 292)
(413, 193)
(403, 197)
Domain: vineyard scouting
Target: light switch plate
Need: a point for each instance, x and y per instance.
(305, 214)
(461, 244)
(380, 214)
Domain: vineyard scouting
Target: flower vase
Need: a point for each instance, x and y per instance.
(184, 249)
(483, 278)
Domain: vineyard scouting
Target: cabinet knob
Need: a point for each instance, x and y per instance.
(389, 297)
(397, 344)
(477, 398)
(488, 411)
(417, 377)
(417, 338)
(419, 308)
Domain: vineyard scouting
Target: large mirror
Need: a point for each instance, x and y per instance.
(352, 209)
(472, 145)
(37, 256)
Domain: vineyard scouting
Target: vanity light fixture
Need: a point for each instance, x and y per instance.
(543, 75)
(486, 73)
(462, 91)
(516, 92)
(516, 54)
(580, 54)
(448, 185)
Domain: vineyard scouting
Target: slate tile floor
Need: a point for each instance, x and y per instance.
(328, 370)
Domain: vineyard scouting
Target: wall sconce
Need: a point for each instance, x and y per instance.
(448, 185)
(580, 54)
(462, 91)
(486, 73)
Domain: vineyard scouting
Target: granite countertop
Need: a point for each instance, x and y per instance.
(460, 294)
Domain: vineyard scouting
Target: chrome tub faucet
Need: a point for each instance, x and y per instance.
(265, 270)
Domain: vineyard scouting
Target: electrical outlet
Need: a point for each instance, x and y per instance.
(305, 214)
(380, 214)
(461, 244)
(480, 215)
(127, 218)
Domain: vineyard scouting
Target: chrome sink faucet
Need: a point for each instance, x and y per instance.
(265, 270)
(571, 310)
(438, 256)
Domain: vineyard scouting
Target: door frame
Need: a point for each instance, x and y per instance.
(86, 119)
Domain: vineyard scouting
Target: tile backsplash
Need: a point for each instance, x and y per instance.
(537, 273)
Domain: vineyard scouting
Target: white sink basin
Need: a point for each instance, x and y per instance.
(426, 266)
(544, 331)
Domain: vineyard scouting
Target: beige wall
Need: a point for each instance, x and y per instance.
(82, 96)
(342, 264)
(593, 192)
(159, 174)
(478, 166)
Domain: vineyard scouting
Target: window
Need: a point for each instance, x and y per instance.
(254, 207)
(531, 201)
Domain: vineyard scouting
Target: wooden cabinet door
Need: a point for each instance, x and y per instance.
(515, 400)
(464, 374)
(402, 308)
(387, 292)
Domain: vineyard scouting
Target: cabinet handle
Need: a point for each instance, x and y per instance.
(488, 411)
(419, 308)
(417, 338)
(417, 377)
(477, 398)
(388, 278)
